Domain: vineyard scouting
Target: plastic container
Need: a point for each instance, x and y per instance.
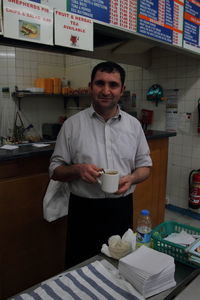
(144, 228)
(177, 251)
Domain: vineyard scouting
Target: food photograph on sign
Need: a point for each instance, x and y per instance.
(29, 30)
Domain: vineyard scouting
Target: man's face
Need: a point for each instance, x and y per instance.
(106, 90)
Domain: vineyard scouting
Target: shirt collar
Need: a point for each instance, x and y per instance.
(93, 113)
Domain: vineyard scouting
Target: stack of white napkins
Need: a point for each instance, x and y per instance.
(148, 270)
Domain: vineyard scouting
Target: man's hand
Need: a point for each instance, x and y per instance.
(89, 173)
(86, 172)
(124, 184)
(139, 175)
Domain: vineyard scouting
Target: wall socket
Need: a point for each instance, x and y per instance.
(5, 92)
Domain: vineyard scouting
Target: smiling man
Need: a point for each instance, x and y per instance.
(106, 90)
(101, 136)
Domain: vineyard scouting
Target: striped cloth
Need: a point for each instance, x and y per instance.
(91, 282)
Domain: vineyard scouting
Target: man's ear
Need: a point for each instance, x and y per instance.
(89, 86)
(123, 89)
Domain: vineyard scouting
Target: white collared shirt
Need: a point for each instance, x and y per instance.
(117, 144)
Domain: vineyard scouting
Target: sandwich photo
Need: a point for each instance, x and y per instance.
(29, 30)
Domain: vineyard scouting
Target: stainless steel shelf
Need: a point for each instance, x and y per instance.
(19, 95)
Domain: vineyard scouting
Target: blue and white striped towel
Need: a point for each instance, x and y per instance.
(91, 282)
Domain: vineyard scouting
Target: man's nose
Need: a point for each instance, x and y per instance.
(106, 89)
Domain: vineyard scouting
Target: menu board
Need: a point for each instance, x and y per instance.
(176, 22)
(191, 38)
(28, 21)
(73, 31)
(1, 23)
(94, 9)
(38, 1)
(162, 20)
(123, 13)
(59, 4)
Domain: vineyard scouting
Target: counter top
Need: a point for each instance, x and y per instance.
(157, 134)
(183, 275)
(28, 150)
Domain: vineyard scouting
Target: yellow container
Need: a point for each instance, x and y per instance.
(46, 84)
(57, 85)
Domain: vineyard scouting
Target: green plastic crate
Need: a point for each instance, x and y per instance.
(177, 251)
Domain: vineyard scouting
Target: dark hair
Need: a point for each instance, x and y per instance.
(109, 67)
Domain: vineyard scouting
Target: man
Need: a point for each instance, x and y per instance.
(101, 136)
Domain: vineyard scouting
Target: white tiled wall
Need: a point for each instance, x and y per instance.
(170, 70)
(181, 72)
(21, 67)
(7, 79)
(30, 65)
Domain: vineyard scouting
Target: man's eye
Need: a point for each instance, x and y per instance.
(100, 83)
(114, 84)
(111, 84)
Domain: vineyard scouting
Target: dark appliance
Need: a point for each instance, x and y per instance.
(194, 189)
(50, 130)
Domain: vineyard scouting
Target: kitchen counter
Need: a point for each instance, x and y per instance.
(28, 242)
(27, 150)
(183, 275)
(157, 134)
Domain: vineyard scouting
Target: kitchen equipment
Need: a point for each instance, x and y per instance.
(146, 118)
(194, 189)
(18, 130)
(198, 128)
(155, 93)
(50, 130)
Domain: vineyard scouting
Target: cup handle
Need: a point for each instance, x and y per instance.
(99, 181)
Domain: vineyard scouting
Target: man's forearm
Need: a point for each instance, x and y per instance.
(140, 174)
(86, 172)
(66, 173)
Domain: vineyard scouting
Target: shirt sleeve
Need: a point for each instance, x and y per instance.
(61, 154)
(142, 158)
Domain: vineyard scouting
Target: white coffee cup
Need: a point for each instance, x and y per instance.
(109, 181)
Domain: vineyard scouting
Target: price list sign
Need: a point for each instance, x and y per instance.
(123, 13)
(191, 38)
(162, 20)
(94, 9)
